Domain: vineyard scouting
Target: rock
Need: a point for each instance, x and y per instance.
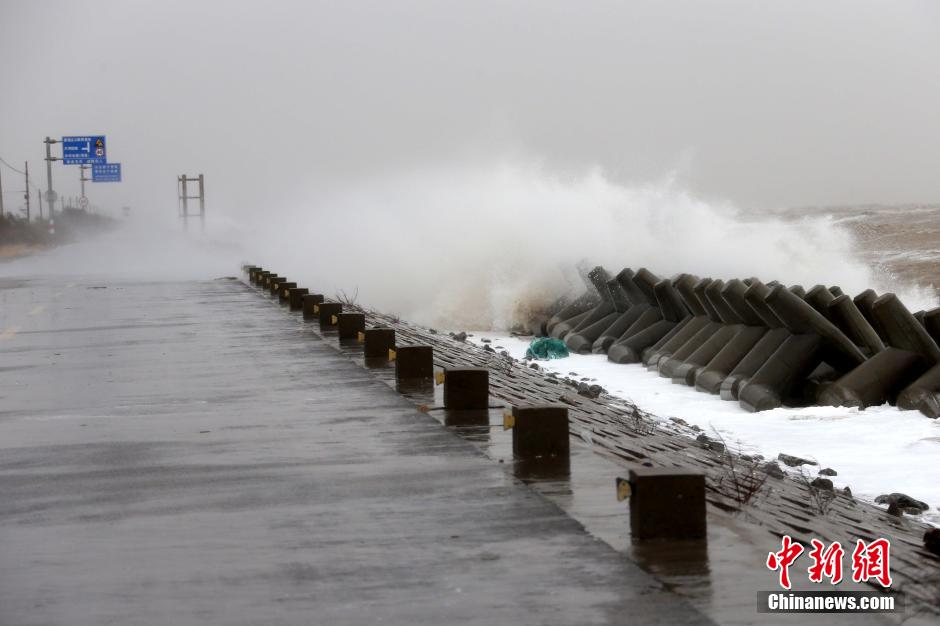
(461, 336)
(489, 349)
(484, 340)
(679, 421)
(432, 331)
(822, 483)
(504, 353)
(932, 540)
(772, 469)
(903, 502)
(846, 491)
(589, 391)
(572, 373)
(828, 471)
(894, 509)
(794, 461)
(710, 444)
(534, 366)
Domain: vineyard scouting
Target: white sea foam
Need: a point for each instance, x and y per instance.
(875, 451)
(474, 247)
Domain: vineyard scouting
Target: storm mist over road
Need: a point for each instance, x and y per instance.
(449, 139)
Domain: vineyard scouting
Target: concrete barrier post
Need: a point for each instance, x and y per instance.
(377, 342)
(283, 292)
(295, 298)
(309, 305)
(349, 325)
(466, 388)
(414, 363)
(326, 312)
(269, 280)
(538, 431)
(275, 286)
(666, 503)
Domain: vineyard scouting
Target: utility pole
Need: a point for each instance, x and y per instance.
(202, 204)
(81, 175)
(39, 195)
(26, 195)
(1, 195)
(185, 199)
(50, 194)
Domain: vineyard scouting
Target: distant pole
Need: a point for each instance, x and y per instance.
(185, 203)
(39, 195)
(202, 203)
(1, 196)
(81, 175)
(26, 195)
(50, 195)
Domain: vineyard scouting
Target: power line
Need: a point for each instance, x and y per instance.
(33, 185)
(11, 167)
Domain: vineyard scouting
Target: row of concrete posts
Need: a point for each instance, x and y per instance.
(665, 503)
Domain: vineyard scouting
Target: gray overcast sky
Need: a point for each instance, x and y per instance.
(763, 103)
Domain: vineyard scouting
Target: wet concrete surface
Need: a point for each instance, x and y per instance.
(721, 576)
(182, 453)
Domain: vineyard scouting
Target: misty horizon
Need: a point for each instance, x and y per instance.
(284, 104)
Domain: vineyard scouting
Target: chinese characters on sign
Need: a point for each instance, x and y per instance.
(869, 561)
(106, 173)
(87, 150)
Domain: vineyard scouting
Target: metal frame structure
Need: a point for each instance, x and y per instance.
(184, 198)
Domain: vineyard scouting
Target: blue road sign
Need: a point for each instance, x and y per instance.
(83, 150)
(105, 172)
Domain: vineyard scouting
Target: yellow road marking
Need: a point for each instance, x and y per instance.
(624, 489)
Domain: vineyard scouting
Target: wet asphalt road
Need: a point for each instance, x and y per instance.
(178, 453)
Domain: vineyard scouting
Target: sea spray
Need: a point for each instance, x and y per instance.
(476, 247)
